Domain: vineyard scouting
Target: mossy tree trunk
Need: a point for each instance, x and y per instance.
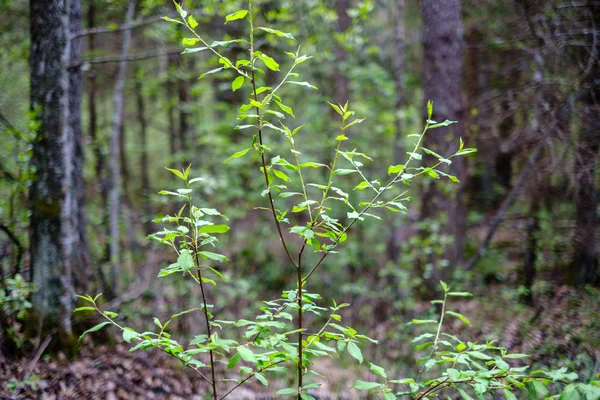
(59, 251)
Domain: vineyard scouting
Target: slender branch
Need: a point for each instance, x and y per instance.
(260, 140)
(371, 203)
(130, 58)
(198, 279)
(17, 243)
(120, 28)
(300, 349)
(240, 383)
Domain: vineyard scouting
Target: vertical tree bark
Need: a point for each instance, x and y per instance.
(585, 267)
(82, 274)
(393, 247)
(171, 113)
(58, 244)
(340, 79)
(145, 178)
(115, 164)
(442, 83)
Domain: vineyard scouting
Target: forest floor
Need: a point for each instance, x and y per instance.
(559, 328)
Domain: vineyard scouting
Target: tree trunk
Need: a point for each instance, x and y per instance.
(585, 254)
(584, 267)
(145, 177)
(393, 246)
(115, 164)
(58, 243)
(81, 253)
(340, 79)
(442, 83)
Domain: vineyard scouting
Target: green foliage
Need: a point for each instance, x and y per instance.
(319, 211)
(14, 304)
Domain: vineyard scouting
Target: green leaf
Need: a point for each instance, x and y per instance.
(246, 354)
(460, 294)
(236, 15)
(233, 361)
(306, 84)
(189, 41)
(423, 321)
(281, 175)
(84, 309)
(464, 394)
(237, 83)
(361, 186)
(261, 379)
(479, 355)
(287, 391)
(185, 260)
(212, 71)
(286, 109)
(362, 385)
(269, 62)
(276, 32)
(429, 109)
(94, 329)
(336, 108)
(177, 173)
(509, 395)
(355, 352)
(213, 256)
(180, 10)
(466, 151)
(192, 22)
(377, 370)
(459, 316)
(171, 20)
(311, 164)
(516, 356)
(239, 154)
(129, 334)
(395, 169)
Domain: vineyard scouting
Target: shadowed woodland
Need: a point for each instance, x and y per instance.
(338, 199)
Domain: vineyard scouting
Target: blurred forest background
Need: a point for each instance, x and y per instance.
(97, 99)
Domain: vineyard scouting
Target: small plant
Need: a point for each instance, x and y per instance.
(281, 338)
(14, 304)
(471, 368)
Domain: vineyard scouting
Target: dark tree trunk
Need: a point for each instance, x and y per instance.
(585, 267)
(585, 254)
(340, 79)
(442, 84)
(81, 254)
(58, 244)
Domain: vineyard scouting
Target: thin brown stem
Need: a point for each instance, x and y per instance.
(262, 154)
(207, 319)
(300, 349)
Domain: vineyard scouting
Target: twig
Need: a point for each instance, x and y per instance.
(17, 243)
(240, 383)
(130, 58)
